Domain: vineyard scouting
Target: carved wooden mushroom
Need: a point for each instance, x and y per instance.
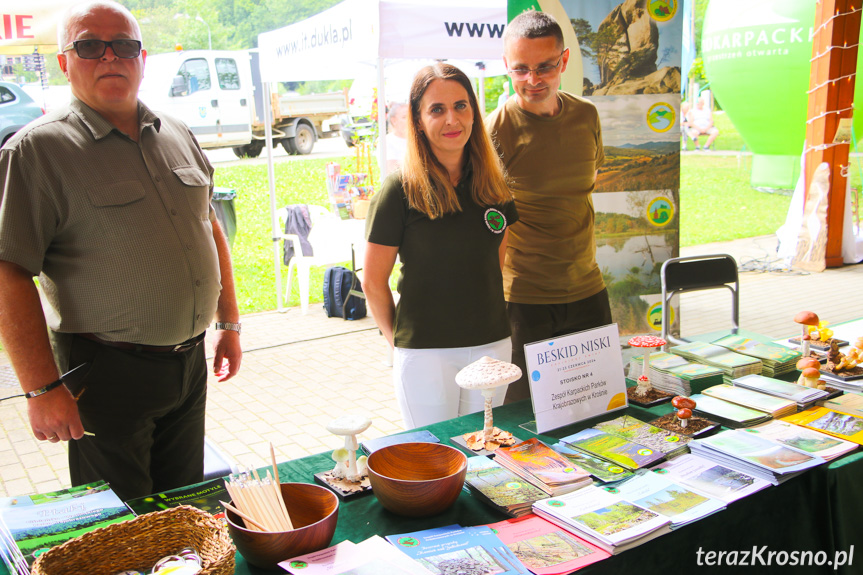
(647, 342)
(684, 406)
(348, 426)
(805, 363)
(485, 374)
(806, 319)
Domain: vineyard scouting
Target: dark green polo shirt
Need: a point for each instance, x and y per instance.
(450, 285)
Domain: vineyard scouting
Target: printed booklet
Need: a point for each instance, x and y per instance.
(500, 487)
(37, 523)
(456, 549)
(710, 478)
(775, 406)
(603, 518)
(374, 556)
(601, 469)
(755, 455)
(835, 423)
(802, 395)
(205, 496)
(625, 453)
(637, 431)
(727, 413)
(655, 492)
(809, 440)
(545, 548)
(544, 467)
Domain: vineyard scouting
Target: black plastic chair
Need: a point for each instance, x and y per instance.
(696, 273)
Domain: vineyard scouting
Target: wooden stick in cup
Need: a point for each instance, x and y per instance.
(278, 489)
(246, 518)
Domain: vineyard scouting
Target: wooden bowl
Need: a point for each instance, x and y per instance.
(417, 479)
(314, 511)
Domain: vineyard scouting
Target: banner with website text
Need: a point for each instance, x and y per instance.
(630, 60)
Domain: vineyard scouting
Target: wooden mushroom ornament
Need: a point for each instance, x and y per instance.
(806, 319)
(684, 407)
(484, 375)
(647, 342)
(347, 466)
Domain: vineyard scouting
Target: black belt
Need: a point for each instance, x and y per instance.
(179, 348)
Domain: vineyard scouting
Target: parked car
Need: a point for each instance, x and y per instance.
(17, 109)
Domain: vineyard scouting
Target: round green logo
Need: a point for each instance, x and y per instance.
(644, 451)
(513, 485)
(661, 117)
(662, 10)
(672, 439)
(556, 503)
(568, 469)
(299, 564)
(660, 471)
(495, 220)
(612, 489)
(660, 210)
(408, 542)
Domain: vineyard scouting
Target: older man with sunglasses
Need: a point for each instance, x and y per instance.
(109, 205)
(551, 144)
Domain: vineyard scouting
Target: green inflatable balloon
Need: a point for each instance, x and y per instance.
(757, 57)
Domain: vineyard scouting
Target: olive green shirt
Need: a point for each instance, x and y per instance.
(118, 231)
(451, 294)
(552, 163)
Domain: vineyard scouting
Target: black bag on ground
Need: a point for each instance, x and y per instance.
(337, 285)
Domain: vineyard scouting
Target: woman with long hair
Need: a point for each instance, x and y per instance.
(445, 215)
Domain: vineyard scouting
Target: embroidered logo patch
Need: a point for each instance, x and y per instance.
(495, 220)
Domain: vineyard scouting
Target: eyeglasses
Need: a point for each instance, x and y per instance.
(92, 49)
(540, 71)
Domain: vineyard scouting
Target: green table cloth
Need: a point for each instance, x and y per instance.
(815, 512)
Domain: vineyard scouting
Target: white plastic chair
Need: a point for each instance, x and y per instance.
(331, 239)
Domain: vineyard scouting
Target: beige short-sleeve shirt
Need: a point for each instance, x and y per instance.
(119, 232)
(552, 164)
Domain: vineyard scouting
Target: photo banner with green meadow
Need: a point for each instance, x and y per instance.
(631, 57)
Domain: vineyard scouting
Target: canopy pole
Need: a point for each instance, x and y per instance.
(271, 178)
(382, 121)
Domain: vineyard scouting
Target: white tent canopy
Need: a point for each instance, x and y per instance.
(332, 44)
(357, 36)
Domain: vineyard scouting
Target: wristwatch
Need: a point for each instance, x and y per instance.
(227, 325)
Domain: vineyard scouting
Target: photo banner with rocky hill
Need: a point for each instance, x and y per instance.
(630, 63)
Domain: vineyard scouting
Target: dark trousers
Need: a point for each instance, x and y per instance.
(147, 413)
(536, 322)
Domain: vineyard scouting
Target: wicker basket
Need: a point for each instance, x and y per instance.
(140, 542)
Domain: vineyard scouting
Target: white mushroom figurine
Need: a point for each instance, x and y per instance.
(806, 319)
(347, 465)
(485, 374)
(647, 342)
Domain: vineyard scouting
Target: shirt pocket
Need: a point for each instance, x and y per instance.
(196, 187)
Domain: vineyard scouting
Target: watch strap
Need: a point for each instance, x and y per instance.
(46, 389)
(228, 325)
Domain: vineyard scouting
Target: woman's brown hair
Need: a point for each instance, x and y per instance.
(426, 182)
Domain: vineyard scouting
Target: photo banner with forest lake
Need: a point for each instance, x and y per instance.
(631, 57)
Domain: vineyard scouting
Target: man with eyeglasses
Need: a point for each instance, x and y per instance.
(551, 144)
(109, 205)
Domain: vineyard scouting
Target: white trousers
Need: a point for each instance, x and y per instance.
(425, 384)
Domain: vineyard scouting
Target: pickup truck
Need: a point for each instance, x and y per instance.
(219, 94)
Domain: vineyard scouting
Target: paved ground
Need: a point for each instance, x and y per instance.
(299, 372)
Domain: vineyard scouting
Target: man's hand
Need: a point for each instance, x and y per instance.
(228, 354)
(54, 416)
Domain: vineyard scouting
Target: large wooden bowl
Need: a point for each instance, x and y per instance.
(417, 479)
(314, 511)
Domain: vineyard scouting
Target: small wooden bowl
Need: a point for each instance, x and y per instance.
(417, 479)
(314, 511)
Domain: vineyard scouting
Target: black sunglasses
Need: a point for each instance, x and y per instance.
(92, 49)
